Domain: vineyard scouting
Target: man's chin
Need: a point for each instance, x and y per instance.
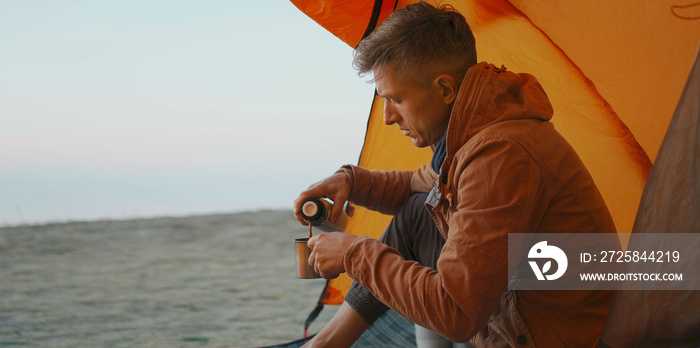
(418, 144)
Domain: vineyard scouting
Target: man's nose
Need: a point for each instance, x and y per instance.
(390, 114)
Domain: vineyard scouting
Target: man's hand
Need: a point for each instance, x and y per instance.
(328, 253)
(336, 187)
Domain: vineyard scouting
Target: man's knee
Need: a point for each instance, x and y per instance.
(413, 210)
(408, 225)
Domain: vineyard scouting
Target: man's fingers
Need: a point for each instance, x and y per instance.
(312, 242)
(328, 276)
(338, 203)
(312, 261)
(332, 276)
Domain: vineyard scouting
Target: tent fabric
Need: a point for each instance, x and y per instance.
(349, 20)
(614, 72)
(670, 204)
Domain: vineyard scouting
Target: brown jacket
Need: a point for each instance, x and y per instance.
(507, 171)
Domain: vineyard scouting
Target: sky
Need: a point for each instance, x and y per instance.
(130, 109)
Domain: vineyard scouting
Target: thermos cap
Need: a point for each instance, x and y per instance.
(309, 208)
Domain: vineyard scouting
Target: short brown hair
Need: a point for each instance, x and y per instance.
(420, 40)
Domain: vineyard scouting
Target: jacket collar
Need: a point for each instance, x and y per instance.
(490, 95)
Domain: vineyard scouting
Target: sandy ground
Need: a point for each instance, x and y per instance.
(202, 281)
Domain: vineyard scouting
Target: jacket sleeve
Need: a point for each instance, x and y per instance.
(496, 188)
(386, 191)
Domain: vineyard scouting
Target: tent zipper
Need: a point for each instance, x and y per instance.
(374, 18)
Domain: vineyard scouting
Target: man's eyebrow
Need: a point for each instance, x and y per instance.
(382, 96)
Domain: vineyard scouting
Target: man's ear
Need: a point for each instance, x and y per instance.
(448, 88)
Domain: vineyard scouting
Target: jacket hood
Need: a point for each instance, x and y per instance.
(490, 95)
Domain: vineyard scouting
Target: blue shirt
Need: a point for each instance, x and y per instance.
(439, 155)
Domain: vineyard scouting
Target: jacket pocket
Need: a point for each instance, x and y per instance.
(537, 333)
(506, 328)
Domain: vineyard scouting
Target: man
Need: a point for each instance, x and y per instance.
(499, 167)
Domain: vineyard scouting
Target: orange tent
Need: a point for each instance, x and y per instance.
(613, 70)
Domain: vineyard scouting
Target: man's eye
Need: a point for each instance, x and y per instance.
(392, 100)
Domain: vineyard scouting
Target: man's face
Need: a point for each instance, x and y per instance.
(420, 111)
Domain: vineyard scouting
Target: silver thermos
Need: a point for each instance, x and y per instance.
(317, 211)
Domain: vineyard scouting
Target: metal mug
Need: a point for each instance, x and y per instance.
(304, 271)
